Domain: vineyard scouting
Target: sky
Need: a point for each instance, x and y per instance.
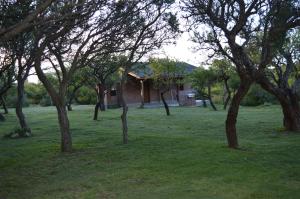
(181, 51)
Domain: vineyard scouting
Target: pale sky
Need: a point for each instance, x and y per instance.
(181, 51)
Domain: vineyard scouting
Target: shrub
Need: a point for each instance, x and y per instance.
(85, 95)
(11, 98)
(46, 101)
(257, 96)
(35, 92)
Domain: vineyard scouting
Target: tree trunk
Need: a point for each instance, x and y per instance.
(71, 98)
(58, 99)
(2, 118)
(19, 106)
(165, 103)
(66, 137)
(4, 105)
(100, 101)
(124, 114)
(228, 94)
(233, 113)
(142, 94)
(212, 104)
(291, 112)
(69, 106)
(288, 101)
(204, 103)
(210, 100)
(101, 96)
(97, 106)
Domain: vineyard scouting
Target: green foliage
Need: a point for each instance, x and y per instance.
(11, 98)
(166, 72)
(53, 80)
(35, 92)
(222, 67)
(257, 96)
(225, 70)
(85, 95)
(46, 101)
(105, 70)
(202, 78)
(234, 81)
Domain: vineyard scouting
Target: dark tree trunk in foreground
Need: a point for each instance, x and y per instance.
(165, 103)
(96, 111)
(100, 100)
(289, 104)
(228, 92)
(60, 104)
(2, 118)
(19, 105)
(124, 114)
(233, 113)
(66, 137)
(291, 112)
(210, 100)
(4, 105)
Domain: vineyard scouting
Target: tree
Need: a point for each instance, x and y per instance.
(8, 11)
(153, 25)
(89, 30)
(104, 71)
(69, 45)
(283, 76)
(7, 74)
(78, 80)
(166, 75)
(7, 78)
(231, 27)
(202, 80)
(22, 49)
(225, 72)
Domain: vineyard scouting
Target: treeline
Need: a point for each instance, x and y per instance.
(36, 95)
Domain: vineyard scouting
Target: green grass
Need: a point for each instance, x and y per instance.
(180, 156)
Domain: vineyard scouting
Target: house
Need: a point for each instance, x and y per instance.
(140, 88)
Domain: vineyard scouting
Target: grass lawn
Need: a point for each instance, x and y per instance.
(180, 156)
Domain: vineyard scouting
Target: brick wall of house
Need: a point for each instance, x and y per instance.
(133, 90)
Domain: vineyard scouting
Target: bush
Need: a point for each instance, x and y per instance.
(35, 92)
(46, 101)
(11, 98)
(257, 96)
(85, 95)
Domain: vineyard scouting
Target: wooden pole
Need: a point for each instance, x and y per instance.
(142, 94)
